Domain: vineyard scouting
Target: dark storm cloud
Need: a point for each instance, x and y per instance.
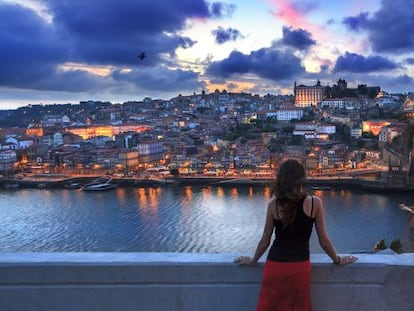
(224, 35)
(403, 80)
(352, 62)
(268, 63)
(29, 47)
(97, 32)
(167, 80)
(390, 29)
(297, 38)
(393, 84)
(113, 32)
(356, 23)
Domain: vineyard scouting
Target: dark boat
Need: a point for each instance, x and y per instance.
(321, 188)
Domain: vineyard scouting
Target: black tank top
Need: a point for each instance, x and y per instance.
(291, 243)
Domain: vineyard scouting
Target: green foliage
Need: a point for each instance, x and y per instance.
(372, 93)
(274, 146)
(174, 171)
(380, 245)
(241, 130)
(396, 246)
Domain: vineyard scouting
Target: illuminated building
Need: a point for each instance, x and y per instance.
(408, 106)
(306, 96)
(129, 158)
(87, 132)
(35, 131)
(373, 126)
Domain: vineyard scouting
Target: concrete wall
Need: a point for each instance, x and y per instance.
(194, 282)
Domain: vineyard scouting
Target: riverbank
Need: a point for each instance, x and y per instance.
(63, 181)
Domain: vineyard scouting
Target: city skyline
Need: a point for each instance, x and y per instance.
(59, 52)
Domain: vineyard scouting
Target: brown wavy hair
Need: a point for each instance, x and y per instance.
(288, 190)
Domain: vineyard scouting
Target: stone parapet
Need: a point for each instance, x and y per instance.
(191, 281)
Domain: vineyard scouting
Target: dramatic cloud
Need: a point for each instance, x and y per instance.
(106, 33)
(168, 80)
(352, 62)
(390, 29)
(268, 63)
(224, 35)
(356, 23)
(389, 82)
(297, 38)
(113, 32)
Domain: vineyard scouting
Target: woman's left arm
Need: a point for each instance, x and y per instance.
(264, 242)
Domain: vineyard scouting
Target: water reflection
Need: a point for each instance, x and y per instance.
(220, 192)
(189, 218)
(148, 203)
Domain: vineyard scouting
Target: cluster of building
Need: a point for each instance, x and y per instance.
(216, 133)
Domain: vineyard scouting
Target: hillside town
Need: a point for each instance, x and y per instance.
(328, 128)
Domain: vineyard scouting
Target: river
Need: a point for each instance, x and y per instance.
(185, 219)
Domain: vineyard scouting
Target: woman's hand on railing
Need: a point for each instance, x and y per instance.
(344, 260)
(244, 261)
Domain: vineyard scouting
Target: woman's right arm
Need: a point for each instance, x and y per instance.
(323, 237)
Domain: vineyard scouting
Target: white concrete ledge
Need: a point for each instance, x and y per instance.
(188, 281)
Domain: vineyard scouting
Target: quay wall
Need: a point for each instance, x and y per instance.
(183, 281)
(334, 182)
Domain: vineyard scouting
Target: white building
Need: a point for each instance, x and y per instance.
(384, 100)
(149, 148)
(388, 133)
(55, 120)
(356, 132)
(287, 114)
(348, 103)
(20, 142)
(284, 114)
(57, 139)
(7, 160)
(314, 130)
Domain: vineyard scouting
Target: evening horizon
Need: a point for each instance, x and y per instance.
(115, 51)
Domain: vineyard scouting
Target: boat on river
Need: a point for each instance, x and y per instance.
(406, 208)
(11, 185)
(321, 188)
(73, 185)
(100, 184)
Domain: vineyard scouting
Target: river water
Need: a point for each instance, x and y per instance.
(185, 219)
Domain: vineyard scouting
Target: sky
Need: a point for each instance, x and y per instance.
(66, 51)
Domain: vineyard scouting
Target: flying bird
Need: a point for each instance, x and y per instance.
(142, 56)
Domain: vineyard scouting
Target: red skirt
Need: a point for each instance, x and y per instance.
(285, 287)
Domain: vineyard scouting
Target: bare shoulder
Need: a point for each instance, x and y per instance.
(271, 206)
(316, 200)
(312, 205)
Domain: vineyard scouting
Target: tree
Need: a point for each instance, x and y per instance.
(396, 246)
(380, 245)
(175, 172)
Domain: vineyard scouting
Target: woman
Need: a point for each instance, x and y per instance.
(291, 213)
